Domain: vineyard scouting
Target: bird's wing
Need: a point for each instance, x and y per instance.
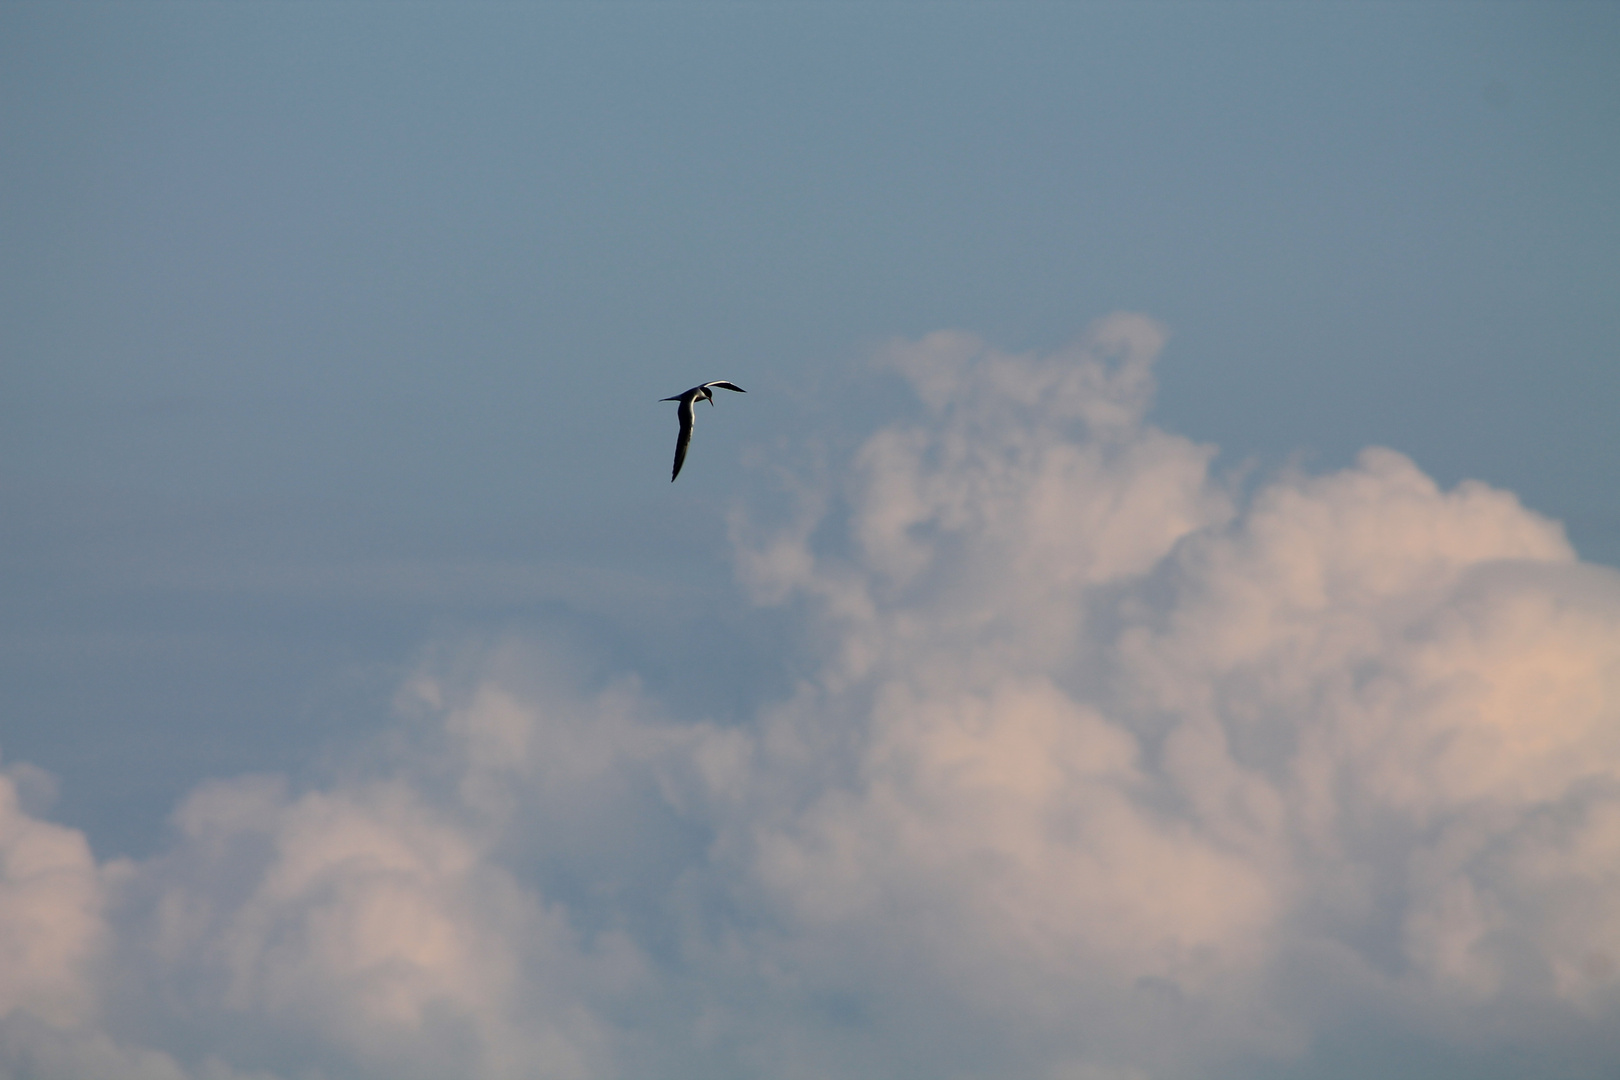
(684, 439)
(727, 386)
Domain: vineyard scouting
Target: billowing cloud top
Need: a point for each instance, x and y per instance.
(1103, 769)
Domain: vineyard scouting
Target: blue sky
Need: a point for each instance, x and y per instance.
(333, 337)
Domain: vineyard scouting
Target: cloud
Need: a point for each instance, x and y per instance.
(1100, 768)
(50, 908)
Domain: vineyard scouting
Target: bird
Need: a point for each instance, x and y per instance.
(687, 400)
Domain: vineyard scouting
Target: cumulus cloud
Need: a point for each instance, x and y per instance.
(1101, 769)
(50, 908)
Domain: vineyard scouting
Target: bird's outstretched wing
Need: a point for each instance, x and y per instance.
(684, 439)
(727, 386)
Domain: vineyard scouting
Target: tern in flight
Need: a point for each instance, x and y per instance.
(687, 400)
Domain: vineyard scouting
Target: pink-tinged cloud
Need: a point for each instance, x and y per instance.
(1101, 769)
(50, 914)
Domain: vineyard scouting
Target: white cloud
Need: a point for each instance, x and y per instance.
(1101, 771)
(50, 911)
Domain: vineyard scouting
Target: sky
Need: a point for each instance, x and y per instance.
(1153, 616)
